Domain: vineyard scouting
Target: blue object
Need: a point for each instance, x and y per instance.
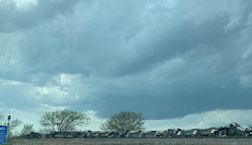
(3, 134)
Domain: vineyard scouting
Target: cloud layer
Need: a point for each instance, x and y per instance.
(164, 58)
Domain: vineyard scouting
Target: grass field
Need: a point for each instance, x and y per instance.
(134, 141)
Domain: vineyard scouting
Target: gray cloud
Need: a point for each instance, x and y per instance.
(165, 59)
(18, 19)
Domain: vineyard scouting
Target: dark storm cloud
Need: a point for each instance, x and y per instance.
(210, 77)
(14, 19)
(165, 59)
(84, 44)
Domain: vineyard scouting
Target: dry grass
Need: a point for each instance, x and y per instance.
(134, 141)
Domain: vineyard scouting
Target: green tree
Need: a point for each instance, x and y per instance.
(64, 120)
(27, 128)
(124, 121)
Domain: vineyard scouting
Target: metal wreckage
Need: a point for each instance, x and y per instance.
(230, 130)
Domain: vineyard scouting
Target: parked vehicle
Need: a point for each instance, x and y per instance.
(230, 130)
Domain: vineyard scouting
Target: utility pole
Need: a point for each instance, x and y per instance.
(8, 124)
(9, 118)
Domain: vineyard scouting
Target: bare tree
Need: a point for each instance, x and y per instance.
(64, 120)
(12, 125)
(124, 121)
(27, 128)
(1, 118)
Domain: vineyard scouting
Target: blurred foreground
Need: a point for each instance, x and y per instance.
(135, 141)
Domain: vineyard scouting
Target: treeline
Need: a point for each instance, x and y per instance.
(69, 120)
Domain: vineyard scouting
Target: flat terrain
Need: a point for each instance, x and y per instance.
(134, 141)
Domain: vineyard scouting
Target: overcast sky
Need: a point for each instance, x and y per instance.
(179, 62)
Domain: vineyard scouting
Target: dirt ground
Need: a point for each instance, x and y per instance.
(134, 141)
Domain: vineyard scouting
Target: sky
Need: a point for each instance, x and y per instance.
(180, 63)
